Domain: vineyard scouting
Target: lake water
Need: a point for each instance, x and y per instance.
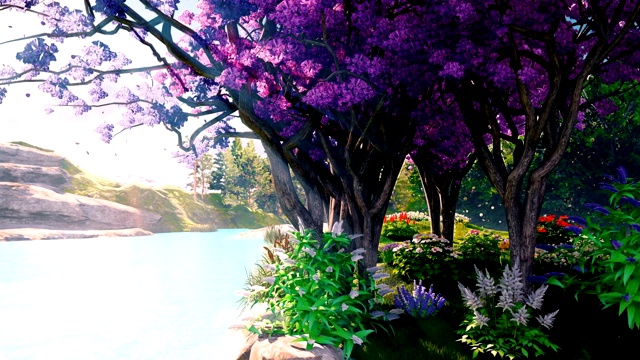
(165, 296)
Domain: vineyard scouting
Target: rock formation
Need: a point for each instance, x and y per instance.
(32, 184)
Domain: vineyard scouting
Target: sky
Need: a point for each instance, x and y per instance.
(142, 154)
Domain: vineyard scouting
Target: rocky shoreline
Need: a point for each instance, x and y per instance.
(49, 234)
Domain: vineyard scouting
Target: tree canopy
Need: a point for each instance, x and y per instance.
(341, 91)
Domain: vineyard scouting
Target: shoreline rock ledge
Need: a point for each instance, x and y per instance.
(34, 204)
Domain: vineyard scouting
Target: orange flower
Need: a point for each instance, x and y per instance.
(562, 223)
(542, 230)
(504, 244)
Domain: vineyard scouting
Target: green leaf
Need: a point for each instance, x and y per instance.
(628, 271)
(524, 352)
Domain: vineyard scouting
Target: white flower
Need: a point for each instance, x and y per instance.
(329, 269)
(353, 294)
(315, 277)
(356, 257)
(257, 288)
(396, 311)
(345, 307)
(358, 251)
(288, 262)
(301, 292)
(374, 269)
(336, 230)
(379, 276)
(269, 267)
(311, 252)
(547, 320)
(377, 314)
(356, 340)
(269, 279)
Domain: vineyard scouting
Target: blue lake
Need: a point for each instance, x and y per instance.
(165, 296)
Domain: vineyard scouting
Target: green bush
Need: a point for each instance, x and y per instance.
(317, 293)
(426, 257)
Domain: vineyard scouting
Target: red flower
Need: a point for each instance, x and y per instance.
(542, 230)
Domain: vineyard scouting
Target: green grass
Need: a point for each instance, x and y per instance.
(22, 143)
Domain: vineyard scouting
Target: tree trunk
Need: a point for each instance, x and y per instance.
(432, 195)
(449, 205)
(195, 180)
(291, 205)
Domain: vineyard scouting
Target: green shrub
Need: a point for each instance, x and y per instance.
(426, 257)
(483, 248)
(317, 293)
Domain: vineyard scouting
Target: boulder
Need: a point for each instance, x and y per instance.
(53, 178)
(17, 154)
(284, 348)
(31, 206)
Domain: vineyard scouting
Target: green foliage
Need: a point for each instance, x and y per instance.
(318, 293)
(432, 338)
(499, 319)
(615, 235)
(407, 193)
(483, 247)
(427, 256)
(244, 178)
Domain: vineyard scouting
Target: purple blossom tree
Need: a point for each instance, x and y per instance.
(337, 90)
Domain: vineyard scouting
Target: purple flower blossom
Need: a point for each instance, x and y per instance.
(631, 201)
(420, 303)
(574, 229)
(597, 207)
(607, 186)
(616, 244)
(555, 274)
(626, 297)
(538, 279)
(565, 246)
(636, 227)
(578, 220)
(546, 247)
(632, 260)
(622, 175)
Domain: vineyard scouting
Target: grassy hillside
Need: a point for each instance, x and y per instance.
(179, 210)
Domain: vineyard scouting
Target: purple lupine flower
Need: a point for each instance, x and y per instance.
(607, 186)
(578, 220)
(555, 273)
(597, 207)
(421, 303)
(546, 247)
(537, 279)
(631, 201)
(574, 229)
(622, 175)
(616, 244)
